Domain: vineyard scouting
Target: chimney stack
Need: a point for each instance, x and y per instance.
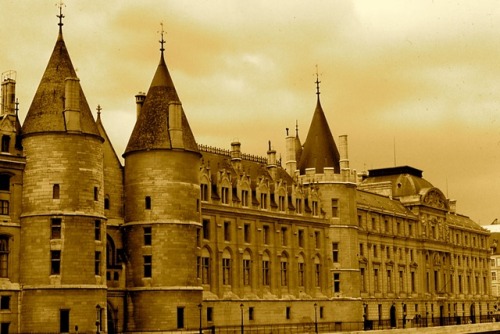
(8, 102)
(139, 100)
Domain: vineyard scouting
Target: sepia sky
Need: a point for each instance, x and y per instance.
(410, 82)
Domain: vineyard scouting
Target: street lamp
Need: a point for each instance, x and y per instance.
(200, 308)
(242, 327)
(315, 318)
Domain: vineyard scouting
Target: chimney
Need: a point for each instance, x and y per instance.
(291, 162)
(8, 93)
(175, 124)
(236, 154)
(72, 104)
(344, 157)
(139, 100)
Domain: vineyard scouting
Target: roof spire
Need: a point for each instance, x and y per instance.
(162, 41)
(98, 110)
(317, 81)
(296, 127)
(60, 16)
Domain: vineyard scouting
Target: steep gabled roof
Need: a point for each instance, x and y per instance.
(319, 150)
(46, 111)
(151, 128)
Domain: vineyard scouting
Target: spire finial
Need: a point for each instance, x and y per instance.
(98, 110)
(60, 16)
(317, 81)
(162, 41)
(17, 106)
(296, 127)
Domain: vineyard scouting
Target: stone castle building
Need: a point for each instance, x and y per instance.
(184, 235)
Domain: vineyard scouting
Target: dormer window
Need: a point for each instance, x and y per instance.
(5, 143)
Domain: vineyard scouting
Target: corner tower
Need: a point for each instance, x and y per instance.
(162, 212)
(62, 221)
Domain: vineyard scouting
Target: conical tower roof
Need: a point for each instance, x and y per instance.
(46, 111)
(151, 130)
(319, 149)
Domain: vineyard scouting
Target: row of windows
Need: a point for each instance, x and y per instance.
(56, 224)
(204, 270)
(55, 262)
(266, 234)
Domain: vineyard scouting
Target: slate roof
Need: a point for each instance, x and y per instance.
(382, 203)
(46, 111)
(319, 149)
(151, 128)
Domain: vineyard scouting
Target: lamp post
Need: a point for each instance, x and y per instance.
(315, 318)
(242, 326)
(200, 308)
(98, 318)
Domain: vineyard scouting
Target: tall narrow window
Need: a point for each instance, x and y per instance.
(288, 312)
(301, 238)
(401, 281)
(265, 234)
(180, 317)
(244, 198)
(284, 270)
(362, 279)
(55, 228)
(97, 263)
(147, 236)
(317, 272)
(204, 192)
(64, 321)
(315, 211)
(205, 266)
(55, 262)
(246, 233)
(389, 280)
(227, 231)
(4, 207)
(226, 271)
(284, 236)
(317, 239)
(106, 202)
(266, 274)
(281, 203)
(375, 280)
(4, 256)
(335, 207)
(148, 202)
(148, 266)
(96, 193)
(55, 191)
(5, 143)
(336, 282)
(298, 205)
(263, 201)
(206, 229)
(210, 314)
(301, 271)
(225, 195)
(97, 230)
(335, 252)
(247, 269)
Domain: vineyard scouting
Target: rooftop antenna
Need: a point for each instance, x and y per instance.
(162, 41)
(60, 16)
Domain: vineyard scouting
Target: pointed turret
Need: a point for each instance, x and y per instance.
(319, 150)
(162, 123)
(59, 104)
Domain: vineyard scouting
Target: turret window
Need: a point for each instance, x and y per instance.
(97, 262)
(55, 262)
(55, 228)
(97, 230)
(148, 266)
(148, 202)
(96, 193)
(335, 208)
(55, 191)
(147, 236)
(106, 202)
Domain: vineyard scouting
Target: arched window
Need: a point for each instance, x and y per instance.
(301, 270)
(317, 271)
(5, 143)
(284, 269)
(205, 266)
(226, 267)
(247, 268)
(106, 202)
(266, 269)
(4, 256)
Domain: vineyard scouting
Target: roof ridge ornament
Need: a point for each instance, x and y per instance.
(61, 15)
(162, 41)
(317, 81)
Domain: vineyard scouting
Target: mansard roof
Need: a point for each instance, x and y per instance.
(46, 111)
(151, 128)
(319, 149)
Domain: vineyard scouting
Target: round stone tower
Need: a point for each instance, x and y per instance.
(63, 229)
(162, 213)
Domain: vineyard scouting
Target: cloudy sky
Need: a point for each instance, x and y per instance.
(410, 82)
